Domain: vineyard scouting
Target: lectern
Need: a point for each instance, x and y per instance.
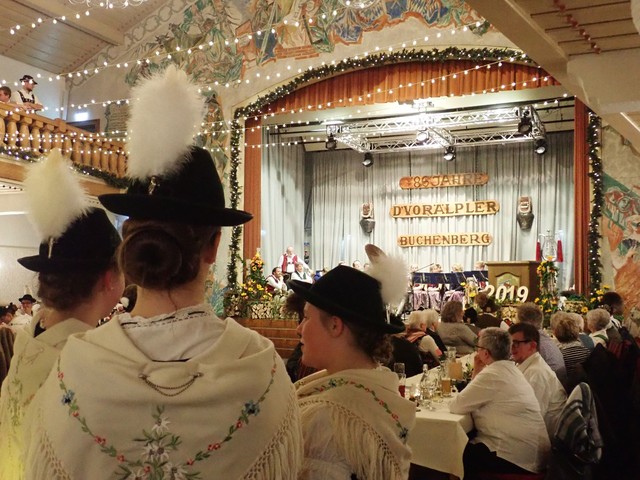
(517, 274)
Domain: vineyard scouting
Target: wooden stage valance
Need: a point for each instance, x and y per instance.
(445, 240)
(481, 207)
(439, 181)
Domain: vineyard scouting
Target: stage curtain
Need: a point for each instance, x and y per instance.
(341, 184)
(390, 83)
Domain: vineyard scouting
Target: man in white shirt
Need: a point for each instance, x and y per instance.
(25, 95)
(275, 282)
(511, 434)
(287, 262)
(301, 274)
(24, 314)
(548, 389)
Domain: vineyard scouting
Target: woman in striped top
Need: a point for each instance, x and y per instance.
(567, 331)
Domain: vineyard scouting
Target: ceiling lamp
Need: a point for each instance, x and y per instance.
(108, 3)
(540, 146)
(359, 4)
(525, 126)
(368, 159)
(331, 143)
(422, 136)
(450, 153)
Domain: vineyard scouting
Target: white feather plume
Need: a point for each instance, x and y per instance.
(54, 195)
(392, 273)
(166, 112)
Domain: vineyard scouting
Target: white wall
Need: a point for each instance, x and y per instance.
(17, 239)
(50, 93)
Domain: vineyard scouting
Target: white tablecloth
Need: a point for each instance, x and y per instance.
(439, 438)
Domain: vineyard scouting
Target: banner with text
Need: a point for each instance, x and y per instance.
(439, 181)
(445, 240)
(482, 207)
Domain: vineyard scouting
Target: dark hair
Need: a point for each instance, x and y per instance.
(162, 255)
(611, 300)
(295, 304)
(131, 293)
(6, 90)
(529, 332)
(450, 311)
(62, 291)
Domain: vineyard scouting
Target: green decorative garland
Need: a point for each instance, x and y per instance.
(325, 71)
(26, 156)
(593, 235)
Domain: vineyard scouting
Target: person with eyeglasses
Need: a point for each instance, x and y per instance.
(511, 435)
(525, 341)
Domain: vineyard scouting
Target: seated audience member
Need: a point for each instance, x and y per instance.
(584, 337)
(275, 281)
(403, 351)
(612, 302)
(169, 390)
(349, 431)
(5, 94)
(23, 316)
(549, 391)
(453, 331)
(416, 334)
(6, 315)
(470, 314)
(79, 283)
(566, 329)
(530, 313)
(485, 303)
(295, 368)
(597, 322)
(300, 274)
(511, 434)
(432, 318)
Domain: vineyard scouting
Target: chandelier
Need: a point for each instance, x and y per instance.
(108, 3)
(358, 4)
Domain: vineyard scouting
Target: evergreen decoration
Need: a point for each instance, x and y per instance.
(326, 71)
(27, 156)
(548, 280)
(595, 173)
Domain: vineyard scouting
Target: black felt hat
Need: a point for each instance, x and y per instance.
(28, 78)
(192, 194)
(351, 295)
(27, 297)
(89, 243)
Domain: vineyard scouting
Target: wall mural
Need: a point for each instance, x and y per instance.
(620, 224)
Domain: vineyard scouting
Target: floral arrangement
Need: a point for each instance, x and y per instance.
(254, 287)
(547, 276)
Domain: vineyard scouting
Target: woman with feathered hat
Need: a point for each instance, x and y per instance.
(355, 424)
(79, 283)
(169, 390)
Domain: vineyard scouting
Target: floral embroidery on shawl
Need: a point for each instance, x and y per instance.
(341, 382)
(159, 443)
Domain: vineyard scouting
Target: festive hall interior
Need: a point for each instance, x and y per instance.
(448, 132)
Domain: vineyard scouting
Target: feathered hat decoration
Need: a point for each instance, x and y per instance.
(392, 273)
(165, 116)
(54, 196)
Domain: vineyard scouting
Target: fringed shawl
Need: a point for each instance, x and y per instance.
(355, 422)
(107, 411)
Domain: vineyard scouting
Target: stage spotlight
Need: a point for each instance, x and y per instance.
(331, 143)
(368, 159)
(525, 126)
(422, 136)
(540, 146)
(450, 153)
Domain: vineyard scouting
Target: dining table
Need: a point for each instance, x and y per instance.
(438, 438)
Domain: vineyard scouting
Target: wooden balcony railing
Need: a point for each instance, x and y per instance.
(29, 132)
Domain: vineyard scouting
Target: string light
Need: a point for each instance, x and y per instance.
(596, 174)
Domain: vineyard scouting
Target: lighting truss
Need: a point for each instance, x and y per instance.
(477, 127)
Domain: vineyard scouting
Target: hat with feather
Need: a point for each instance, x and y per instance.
(366, 298)
(74, 236)
(172, 180)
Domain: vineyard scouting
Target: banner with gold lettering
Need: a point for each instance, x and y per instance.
(481, 207)
(445, 240)
(439, 181)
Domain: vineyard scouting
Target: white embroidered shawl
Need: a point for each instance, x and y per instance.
(100, 414)
(355, 422)
(31, 363)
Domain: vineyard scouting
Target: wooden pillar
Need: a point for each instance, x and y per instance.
(582, 197)
(252, 189)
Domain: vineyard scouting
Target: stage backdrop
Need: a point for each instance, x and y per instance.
(326, 191)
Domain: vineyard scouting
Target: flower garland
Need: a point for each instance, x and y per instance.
(547, 276)
(320, 73)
